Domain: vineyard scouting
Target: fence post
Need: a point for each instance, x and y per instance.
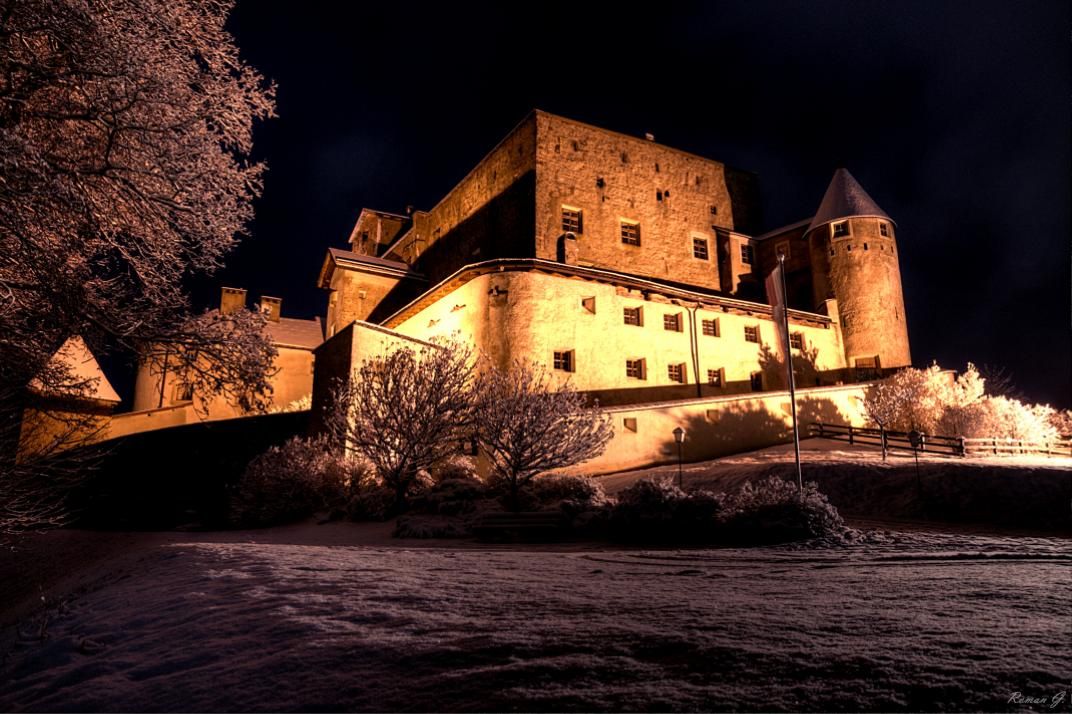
(850, 434)
(963, 451)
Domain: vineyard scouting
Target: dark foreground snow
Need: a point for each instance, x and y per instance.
(920, 622)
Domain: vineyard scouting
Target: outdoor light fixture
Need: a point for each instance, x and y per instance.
(679, 437)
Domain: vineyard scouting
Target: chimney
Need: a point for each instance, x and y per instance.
(232, 300)
(270, 307)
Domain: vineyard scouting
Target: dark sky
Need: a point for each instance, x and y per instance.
(954, 116)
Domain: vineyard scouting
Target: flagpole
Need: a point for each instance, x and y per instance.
(789, 368)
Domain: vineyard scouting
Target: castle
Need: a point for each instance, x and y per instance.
(632, 269)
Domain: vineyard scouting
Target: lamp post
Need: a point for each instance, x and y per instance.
(679, 437)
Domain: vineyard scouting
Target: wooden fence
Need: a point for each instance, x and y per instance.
(938, 444)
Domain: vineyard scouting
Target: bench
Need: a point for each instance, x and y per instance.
(528, 526)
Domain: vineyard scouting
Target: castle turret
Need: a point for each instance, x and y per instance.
(854, 261)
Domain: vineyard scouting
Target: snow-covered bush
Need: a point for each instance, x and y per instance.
(414, 525)
(371, 500)
(772, 511)
(573, 491)
(288, 483)
(1003, 418)
(450, 496)
(658, 512)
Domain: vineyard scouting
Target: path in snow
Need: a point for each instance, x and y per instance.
(920, 622)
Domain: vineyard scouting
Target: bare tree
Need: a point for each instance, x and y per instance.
(125, 132)
(406, 411)
(527, 425)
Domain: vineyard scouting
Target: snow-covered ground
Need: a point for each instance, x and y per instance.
(910, 621)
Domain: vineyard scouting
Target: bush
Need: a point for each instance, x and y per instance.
(574, 492)
(425, 526)
(772, 511)
(450, 496)
(288, 483)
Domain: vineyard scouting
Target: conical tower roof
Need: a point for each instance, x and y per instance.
(845, 198)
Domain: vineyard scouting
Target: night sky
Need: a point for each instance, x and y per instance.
(953, 116)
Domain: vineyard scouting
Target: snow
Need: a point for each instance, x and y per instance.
(284, 620)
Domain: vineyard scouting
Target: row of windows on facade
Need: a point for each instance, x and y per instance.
(840, 229)
(572, 222)
(675, 323)
(637, 368)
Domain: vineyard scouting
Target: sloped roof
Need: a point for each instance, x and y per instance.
(84, 368)
(291, 332)
(845, 198)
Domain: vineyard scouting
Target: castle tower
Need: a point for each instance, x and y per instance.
(854, 262)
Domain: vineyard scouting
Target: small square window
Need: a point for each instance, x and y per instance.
(572, 220)
(182, 393)
(710, 327)
(751, 333)
(796, 340)
(884, 229)
(589, 304)
(564, 361)
(633, 316)
(841, 228)
(747, 254)
(676, 372)
(630, 233)
(714, 377)
(634, 368)
(630, 424)
(672, 322)
(714, 210)
(699, 249)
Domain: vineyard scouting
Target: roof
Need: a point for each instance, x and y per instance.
(84, 368)
(845, 198)
(366, 263)
(784, 229)
(610, 277)
(291, 332)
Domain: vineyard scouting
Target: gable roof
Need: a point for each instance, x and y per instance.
(84, 368)
(291, 332)
(845, 198)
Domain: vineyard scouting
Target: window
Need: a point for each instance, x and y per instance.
(746, 254)
(866, 362)
(633, 316)
(630, 424)
(841, 228)
(564, 361)
(757, 381)
(751, 333)
(796, 340)
(630, 233)
(571, 220)
(635, 368)
(182, 393)
(672, 322)
(884, 229)
(676, 373)
(714, 377)
(714, 210)
(699, 249)
(710, 327)
(589, 304)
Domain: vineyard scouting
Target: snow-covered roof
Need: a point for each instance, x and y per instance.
(292, 332)
(85, 369)
(845, 198)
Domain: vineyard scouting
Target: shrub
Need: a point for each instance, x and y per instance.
(288, 483)
(576, 492)
(425, 526)
(450, 496)
(772, 511)
(648, 511)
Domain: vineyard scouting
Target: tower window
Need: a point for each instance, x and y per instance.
(699, 249)
(884, 229)
(676, 372)
(841, 228)
(630, 233)
(751, 333)
(714, 210)
(572, 220)
(634, 368)
(714, 377)
(710, 327)
(747, 254)
(672, 322)
(633, 316)
(796, 340)
(658, 195)
(564, 361)
(589, 304)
